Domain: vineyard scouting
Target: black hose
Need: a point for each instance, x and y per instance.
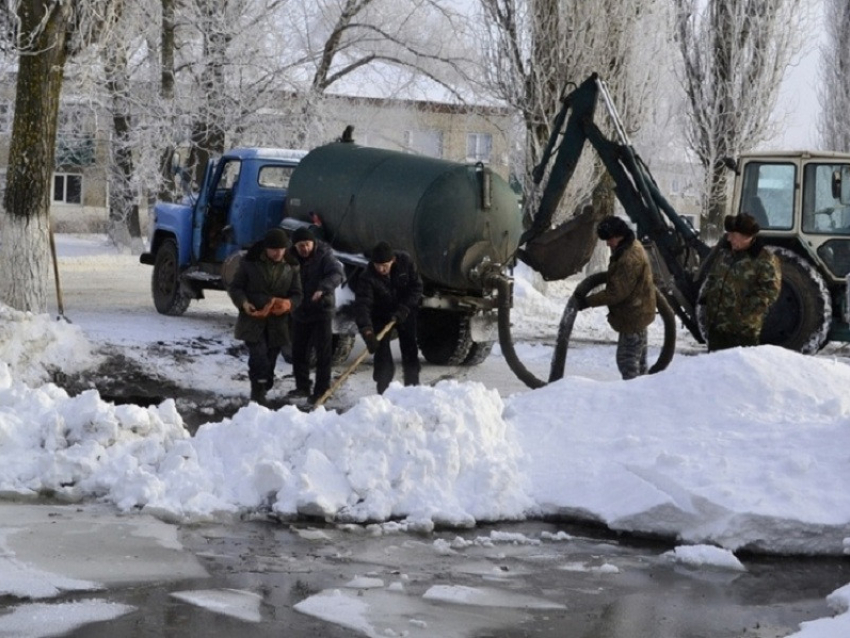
(565, 328)
(503, 286)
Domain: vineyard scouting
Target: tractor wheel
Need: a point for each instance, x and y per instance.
(444, 337)
(168, 295)
(800, 318)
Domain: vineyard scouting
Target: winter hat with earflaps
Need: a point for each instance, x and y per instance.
(276, 238)
(302, 233)
(382, 253)
(744, 223)
(612, 227)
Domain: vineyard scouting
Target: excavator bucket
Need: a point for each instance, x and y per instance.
(564, 250)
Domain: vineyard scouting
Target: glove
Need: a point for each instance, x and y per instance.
(280, 306)
(260, 313)
(400, 314)
(371, 341)
(580, 302)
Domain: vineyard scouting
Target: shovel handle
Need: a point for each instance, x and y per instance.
(341, 379)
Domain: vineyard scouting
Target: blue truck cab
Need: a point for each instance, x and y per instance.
(193, 242)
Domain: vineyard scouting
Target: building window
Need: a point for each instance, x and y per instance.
(427, 142)
(68, 189)
(479, 147)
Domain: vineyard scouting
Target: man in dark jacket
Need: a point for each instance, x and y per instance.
(321, 274)
(389, 289)
(742, 284)
(629, 294)
(265, 289)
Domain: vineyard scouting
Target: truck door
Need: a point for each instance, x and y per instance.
(201, 204)
(212, 216)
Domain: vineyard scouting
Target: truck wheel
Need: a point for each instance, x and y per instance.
(342, 345)
(444, 337)
(801, 317)
(479, 351)
(168, 295)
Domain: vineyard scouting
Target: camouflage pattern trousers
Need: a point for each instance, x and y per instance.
(631, 354)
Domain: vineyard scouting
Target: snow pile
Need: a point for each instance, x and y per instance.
(726, 448)
(705, 555)
(746, 448)
(35, 346)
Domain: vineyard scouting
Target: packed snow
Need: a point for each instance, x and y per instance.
(747, 449)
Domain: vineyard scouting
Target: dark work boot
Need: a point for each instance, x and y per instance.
(299, 391)
(258, 391)
(411, 376)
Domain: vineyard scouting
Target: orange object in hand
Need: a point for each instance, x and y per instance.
(280, 306)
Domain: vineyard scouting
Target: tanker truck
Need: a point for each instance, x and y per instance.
(461, 224)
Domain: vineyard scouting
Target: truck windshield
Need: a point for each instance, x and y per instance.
(823, 213)
(768, 194)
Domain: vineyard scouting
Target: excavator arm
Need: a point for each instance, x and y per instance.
(672, 238)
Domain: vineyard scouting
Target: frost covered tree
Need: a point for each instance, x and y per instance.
(206, 75)
(734, 54)
(834, 87)
(46, 33)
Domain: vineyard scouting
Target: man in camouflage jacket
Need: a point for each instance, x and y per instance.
(742, 284)
(629, 294)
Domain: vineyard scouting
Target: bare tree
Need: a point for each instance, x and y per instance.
(47, 33)
(537, 50)
(834, 88)
(735, 53)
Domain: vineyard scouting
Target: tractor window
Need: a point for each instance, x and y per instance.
(823, 212)
(768, 194)
(275, 176)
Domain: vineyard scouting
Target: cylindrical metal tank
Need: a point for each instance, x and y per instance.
(449, 216)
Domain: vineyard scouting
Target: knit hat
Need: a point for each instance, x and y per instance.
(612, 227)
(382, 253)
(276, 238)
(302, 233)
(744, 223)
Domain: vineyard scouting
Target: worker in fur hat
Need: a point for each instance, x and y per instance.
(265, 289)
(389, 289)
(629, 294)
(321, 275)
(742, 284)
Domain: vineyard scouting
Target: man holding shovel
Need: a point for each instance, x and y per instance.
(389, 289)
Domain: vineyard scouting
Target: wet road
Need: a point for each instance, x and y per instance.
(529, 581)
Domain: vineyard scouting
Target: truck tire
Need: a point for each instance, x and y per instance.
(168, 295)
(444, 336)
(342, 345)
(801, 317)
(479, 351)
